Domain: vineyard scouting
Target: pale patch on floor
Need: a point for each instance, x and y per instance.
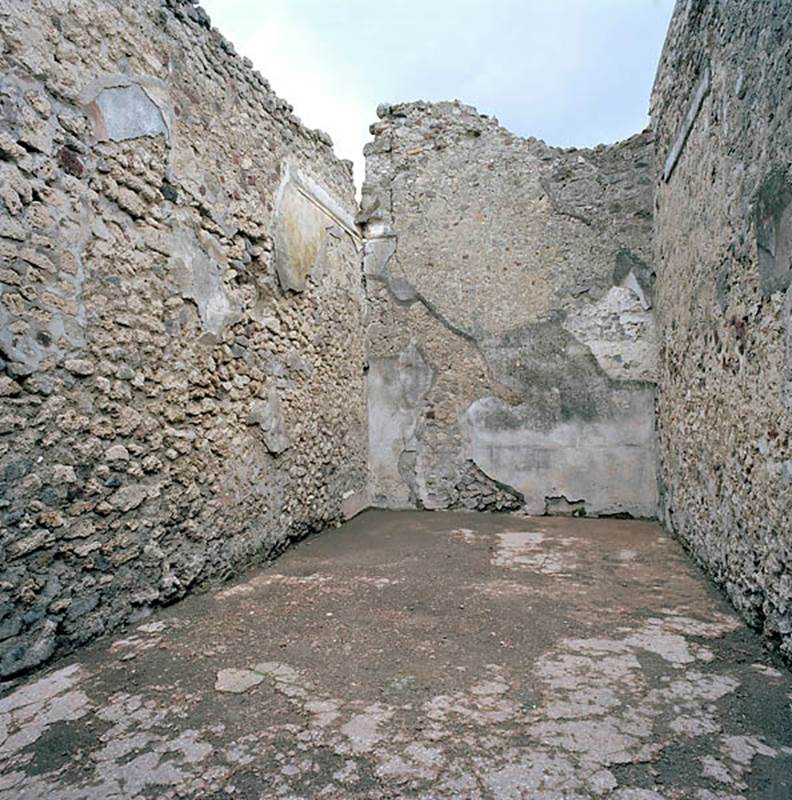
(536, 551)
(270, 579)
(25, 715)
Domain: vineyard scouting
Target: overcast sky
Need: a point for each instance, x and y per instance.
(571, 72)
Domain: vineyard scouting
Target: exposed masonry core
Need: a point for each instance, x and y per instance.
(208, 350)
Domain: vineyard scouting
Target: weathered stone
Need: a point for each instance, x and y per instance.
(79, 366)
(9, 627)
(63, 473)
(9, 387)
(129, 497)
(116, 453)
(169, 191)
(25, 652)
(24, 545)
(70, 161)
(51, 519)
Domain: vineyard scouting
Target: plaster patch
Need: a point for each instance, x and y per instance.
(237, 681)
(607, 463)
(127, 112)
(620, 333)
(268, 415)
(363, 730)
(304, 213)
(397, 387)
(532, 550)
(199, 269)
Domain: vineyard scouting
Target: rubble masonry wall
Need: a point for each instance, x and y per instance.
(722, 111)
(181, 317)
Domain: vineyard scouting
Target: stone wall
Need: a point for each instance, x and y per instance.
(722, 111)
(511, 340)
(181, 375)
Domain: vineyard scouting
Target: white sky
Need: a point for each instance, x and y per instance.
(572, 72)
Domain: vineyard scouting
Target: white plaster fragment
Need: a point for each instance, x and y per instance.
(620, 332)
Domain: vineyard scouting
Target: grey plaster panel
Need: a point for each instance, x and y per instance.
(609, 464)
(397, 387)
(127, 112)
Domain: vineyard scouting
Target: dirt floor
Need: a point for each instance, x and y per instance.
(422, 655)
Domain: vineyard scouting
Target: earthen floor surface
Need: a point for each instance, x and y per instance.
(422, 655)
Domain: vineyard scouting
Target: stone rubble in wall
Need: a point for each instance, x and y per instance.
(478, 492)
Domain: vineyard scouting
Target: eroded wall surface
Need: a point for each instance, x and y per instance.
(722, 109)
(181, 380)
(511, 339)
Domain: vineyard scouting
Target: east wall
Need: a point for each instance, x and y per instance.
(722, 111)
